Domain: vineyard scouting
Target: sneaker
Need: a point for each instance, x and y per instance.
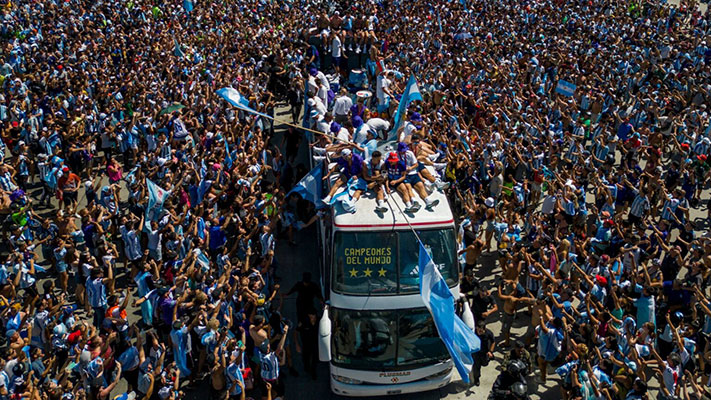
(432, 205)
(326, 199)
(441, 185)
(415, 207)
(381, 209)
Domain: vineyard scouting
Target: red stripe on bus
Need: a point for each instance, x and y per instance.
(413, 224)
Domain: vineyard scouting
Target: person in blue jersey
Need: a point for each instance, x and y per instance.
(396, 172)
(349, 165)
(270, 360)
(96, 292)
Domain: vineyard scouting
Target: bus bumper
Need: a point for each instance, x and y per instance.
(370, 390)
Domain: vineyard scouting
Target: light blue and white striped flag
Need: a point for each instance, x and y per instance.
(310, 186)
(228, 156)
(412, 93)
(233, 97)
(459, 339)
(156, 198)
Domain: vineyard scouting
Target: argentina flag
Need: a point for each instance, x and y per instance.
(156, 198)
(412, 93)
(310, 186)
(233, 97)
(228, 157)
(459, 339)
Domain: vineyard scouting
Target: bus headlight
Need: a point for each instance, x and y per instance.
(348, 381)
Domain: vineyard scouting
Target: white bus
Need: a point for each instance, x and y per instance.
(376, 333)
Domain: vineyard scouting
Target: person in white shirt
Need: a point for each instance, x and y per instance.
(319, 122)
(379, 125)
(336, 51)
(315, 103)
(341, 133)
(382, 91)
(360, 130)
(341, 106)
(323, 91)
(410, 127)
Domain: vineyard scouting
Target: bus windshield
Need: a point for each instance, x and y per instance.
(387, 262)
(371, 340)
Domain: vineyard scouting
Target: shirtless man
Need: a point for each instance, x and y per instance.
(507, 293)
(258, 329)
(539, 309)
(471, 252)
(218, 382)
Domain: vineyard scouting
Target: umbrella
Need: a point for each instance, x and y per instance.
(171, 108)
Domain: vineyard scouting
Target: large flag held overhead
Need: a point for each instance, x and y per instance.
(310, 186)
(188, 5)
(459, 339)
(412, 93)
(233, 97)
(156, 198)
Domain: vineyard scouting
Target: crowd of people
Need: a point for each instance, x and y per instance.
(127, 183)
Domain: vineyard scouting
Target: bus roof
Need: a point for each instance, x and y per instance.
(365, 216)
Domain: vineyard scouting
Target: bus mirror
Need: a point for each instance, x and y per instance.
(324, 337)
(467, 315)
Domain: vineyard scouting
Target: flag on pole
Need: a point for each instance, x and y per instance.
(380, 66)
(228, 156)
(156, 198)
(178, 50)
(233, 97)
(310, 186)
(412, 93)
(188, 5)
(459, 339)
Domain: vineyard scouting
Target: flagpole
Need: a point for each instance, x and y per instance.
(406, 219)
(285, 123)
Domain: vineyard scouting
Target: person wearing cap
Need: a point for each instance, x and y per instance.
(320, 123)
(68, 188)
(342, 135)
(396, 172)
(412, 125)
(349, 166)
(315, 103)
